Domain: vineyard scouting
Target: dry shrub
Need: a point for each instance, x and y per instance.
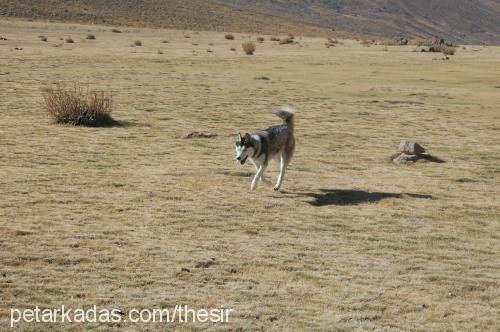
(287, 40)
(367, 43)
(393, 42)
(43, 38)
(91, 36)
(78, 107)
(448, 50)
(260, 39)
(229, 37)
(137, 43)
(274, 39)
(116, 31)
(331, 42)
(233, 49)
(248, 47)
(187, 35)
(69, 40)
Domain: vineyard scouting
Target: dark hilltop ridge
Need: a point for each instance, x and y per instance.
(459, 21)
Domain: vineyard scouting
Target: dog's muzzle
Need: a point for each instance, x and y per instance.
(242, 161)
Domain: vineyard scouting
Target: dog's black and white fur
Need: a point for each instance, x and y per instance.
(272, 143)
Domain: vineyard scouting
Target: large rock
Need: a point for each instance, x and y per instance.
(411, 148)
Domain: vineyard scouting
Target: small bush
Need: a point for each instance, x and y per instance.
(137, 43)
(447, 50)
(116, 31)
(331, 42)
(43, 38)
(187, 36)
(229, 37)
(233, 49)
(248, 48)
(164, 41)
(69, 40)
(78, 107)
(260, 39)
(91, 36)
(287, 40)
(274, 39)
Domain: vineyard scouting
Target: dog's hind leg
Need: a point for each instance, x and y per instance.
(281, 177)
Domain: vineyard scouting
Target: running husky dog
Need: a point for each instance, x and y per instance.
(273, 143)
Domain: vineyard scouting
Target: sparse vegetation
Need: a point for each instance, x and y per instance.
(249, 47)
(77, 106)
(229, 37)
(137, 43)
(91, 36)
(274, 39)
(187, 35)
(260, 39)
(43, 38)
(233, 49)
(69, 40)
(159, 52)
(116, 31)
(164, 41)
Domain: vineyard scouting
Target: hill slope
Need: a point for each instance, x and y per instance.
(192, 14)
(463, 21)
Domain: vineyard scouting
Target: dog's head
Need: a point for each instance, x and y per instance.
(244, 148)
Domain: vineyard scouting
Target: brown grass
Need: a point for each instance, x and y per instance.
(144, 218)
(249, 47)
(78, 106)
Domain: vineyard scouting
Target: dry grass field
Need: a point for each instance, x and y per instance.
(136, 216)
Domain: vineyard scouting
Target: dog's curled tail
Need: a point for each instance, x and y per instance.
(286, 113)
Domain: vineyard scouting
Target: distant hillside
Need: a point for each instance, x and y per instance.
(180, 14)
(463, 21)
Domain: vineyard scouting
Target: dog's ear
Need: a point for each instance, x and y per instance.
(239, 138)
(247, 137)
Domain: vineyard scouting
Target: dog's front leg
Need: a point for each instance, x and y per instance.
(257, 177)
(283, 165)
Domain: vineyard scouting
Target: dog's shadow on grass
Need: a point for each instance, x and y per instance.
(352, 197)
